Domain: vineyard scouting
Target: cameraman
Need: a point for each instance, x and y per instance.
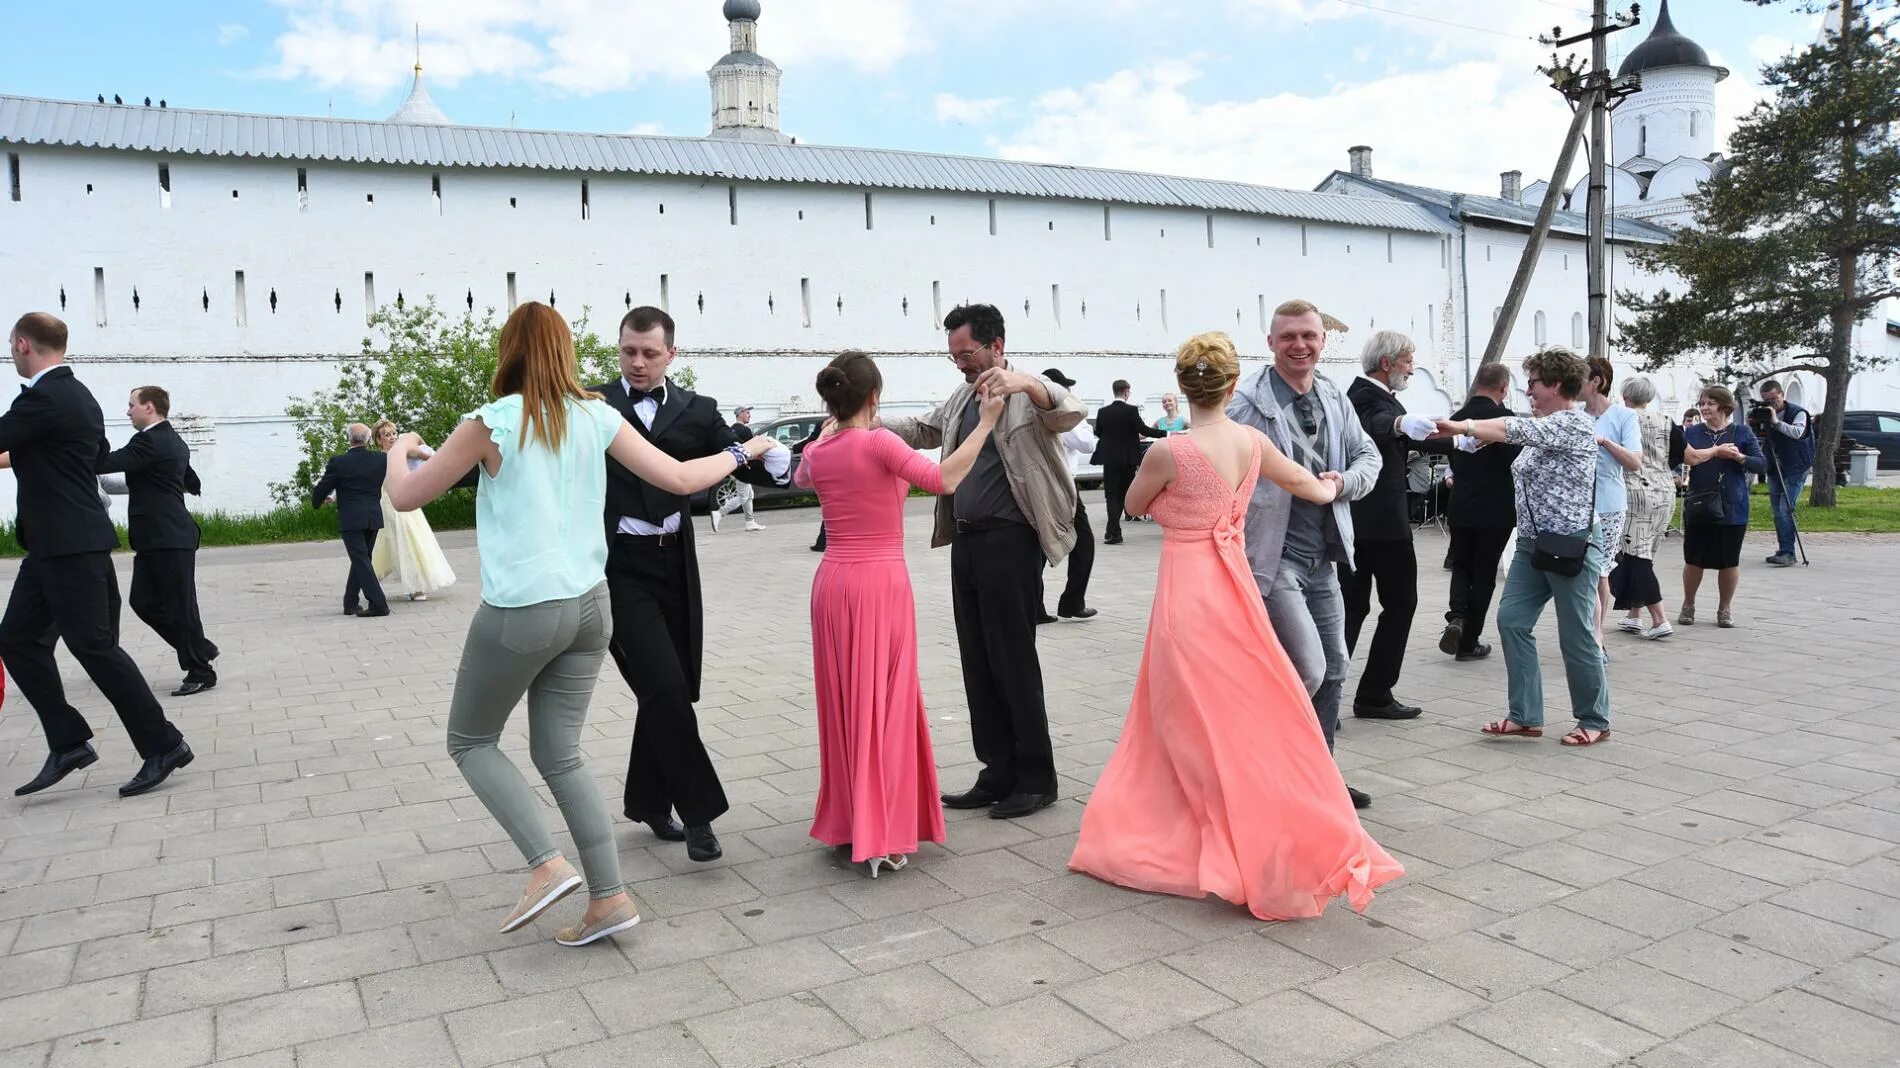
(1787, 435)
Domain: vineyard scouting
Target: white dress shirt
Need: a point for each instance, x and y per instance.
(778, 464)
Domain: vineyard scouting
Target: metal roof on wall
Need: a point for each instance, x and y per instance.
(1498, 209)
(177, 131)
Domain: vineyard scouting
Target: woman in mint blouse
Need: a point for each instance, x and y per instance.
(544, 622)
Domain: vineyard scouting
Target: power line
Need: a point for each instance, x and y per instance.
(1428, 18)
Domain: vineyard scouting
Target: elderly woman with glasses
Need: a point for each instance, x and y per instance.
(1555, 481)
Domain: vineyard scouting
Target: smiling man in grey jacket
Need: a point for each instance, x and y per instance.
(1292, 545)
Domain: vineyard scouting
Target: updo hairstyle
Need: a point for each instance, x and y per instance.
(1207, 367)
(847, 383)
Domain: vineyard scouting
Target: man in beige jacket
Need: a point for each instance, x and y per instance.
(1013, 515)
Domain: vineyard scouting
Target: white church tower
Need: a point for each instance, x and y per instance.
(1664, 136)
(744, 83)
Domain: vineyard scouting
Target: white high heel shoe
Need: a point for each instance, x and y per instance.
(895, 863)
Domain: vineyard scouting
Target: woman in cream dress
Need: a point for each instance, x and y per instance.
(407, 546)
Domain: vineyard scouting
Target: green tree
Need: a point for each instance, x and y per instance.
(1800, 238)
(424, 370)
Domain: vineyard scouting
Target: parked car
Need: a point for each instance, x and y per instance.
(791, 431)
(1875, 430)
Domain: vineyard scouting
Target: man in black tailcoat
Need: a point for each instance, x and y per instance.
(1118, 432)
(1483, 517)
(356, 479)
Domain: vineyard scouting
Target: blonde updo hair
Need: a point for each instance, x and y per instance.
(1207, 367)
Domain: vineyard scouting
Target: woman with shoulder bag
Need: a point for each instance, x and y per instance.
(1557, 556)
(1721, 452)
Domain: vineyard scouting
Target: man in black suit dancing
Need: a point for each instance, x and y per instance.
(653, 579)
(356, 479)
(1118, 433)
(1483, 519)
(157, 468)
(66, 587)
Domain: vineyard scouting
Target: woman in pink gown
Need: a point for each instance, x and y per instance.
(1221, 783)
(877, 785)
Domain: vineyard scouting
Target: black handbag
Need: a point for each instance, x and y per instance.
(1707, 505)
(1562, 554)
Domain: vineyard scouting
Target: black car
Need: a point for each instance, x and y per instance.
(1875, 430)
(791, 431)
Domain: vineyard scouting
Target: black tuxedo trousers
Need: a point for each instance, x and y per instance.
(667, 769)
(165, 595)
(1392, 567)
(360, 544)
(76, 598)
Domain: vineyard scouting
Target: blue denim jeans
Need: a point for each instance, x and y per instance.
(1526, 591)
(1783, 505)
(1309, 616)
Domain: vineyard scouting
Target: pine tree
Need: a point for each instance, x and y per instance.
(1799, 239)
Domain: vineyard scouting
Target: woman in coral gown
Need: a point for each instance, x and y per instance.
(1221, 783)
(877, 786)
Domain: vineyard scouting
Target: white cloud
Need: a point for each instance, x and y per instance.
(953, 108)
(648, 129)
(231, 32)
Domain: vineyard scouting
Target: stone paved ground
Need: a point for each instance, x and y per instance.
(1718, 886)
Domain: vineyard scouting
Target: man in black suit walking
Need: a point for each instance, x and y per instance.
(1118, 433)
(1483, 518)
(653, 580)
(157, 468)
(1382, 526)
(356, 479)
(66, 587)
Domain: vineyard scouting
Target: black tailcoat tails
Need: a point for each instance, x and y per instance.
(66, 587)
(356, 477)
(158, 474)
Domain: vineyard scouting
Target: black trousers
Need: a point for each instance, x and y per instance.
(1393, 568)
(359, 544)
(668, 769)
(165, 595)
(1075, 595)
(1475, 552)
(76, 598)
(1116, 478)
(996, 592)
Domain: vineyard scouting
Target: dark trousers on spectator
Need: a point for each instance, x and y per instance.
(1393, 568)
(1081, 562)
(1475, 553)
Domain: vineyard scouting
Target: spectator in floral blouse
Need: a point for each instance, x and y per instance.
(1721, 453)
(1555, 476)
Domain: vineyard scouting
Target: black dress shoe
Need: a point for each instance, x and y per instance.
(974, 797)
(1478, 652)
(1360, 799)
(156, 770)
(1021, 805)
(214, 653)
(191, 686)
(702, 844)
(58, 766)
(372, 613)
(1454, 634)
(1044, 617)
(1080, 613)
(1112, 539)
(1390, 710)
(352, 609)
(665, 828)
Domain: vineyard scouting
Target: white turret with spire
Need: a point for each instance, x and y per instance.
(418, 109)
(744, 83)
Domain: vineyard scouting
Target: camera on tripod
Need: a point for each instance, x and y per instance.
(1761, 417)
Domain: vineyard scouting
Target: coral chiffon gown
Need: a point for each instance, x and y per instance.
(877, 787)
(1222, 783)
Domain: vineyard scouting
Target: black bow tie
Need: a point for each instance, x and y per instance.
(657, 396)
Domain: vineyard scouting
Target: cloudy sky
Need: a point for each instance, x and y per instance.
(1269, 91)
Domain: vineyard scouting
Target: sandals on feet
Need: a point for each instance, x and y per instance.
(1510, 728)
(1583, 736)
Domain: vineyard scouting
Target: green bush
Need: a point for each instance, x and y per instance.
(299, 522)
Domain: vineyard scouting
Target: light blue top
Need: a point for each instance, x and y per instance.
(538, 524)
(1619, 425)
(1175, 424)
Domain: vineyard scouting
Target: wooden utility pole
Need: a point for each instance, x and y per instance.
(1592, 95)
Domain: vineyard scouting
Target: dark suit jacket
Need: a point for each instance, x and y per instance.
(57, 437)
(356, 477)
(1482, 494)
(158, 474)
(742, 432)
(1382, 515)
(1118, 434)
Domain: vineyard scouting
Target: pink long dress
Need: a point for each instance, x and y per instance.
(877, 786)
(1221, 783)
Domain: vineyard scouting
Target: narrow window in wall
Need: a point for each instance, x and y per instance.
(1164, 309)
(992, 216)
(1388, 246)
(234, 195)
(99, 295)
(867, 211)
(1692, 124)
(804, 298)
(1210, 229)
(88, 188)
(13, 176)
(1642, 138)
(1576, 331)
(1262, 298)
(663, 209)
(511, 291)
(936, 304)
(933, 220)
(1538, 331)
(1108, 233)
(1487, 253)
(303, 189)
(1055, 304)
(435, 191)
(164, 186)
(1302, 239)
(237, 296)
(1052, 225)
(511, 202)
(369, 294)
(587, 209)
(732, 205)
(1443, 250)
(1566, 261)
(370, 198)
(666, 294)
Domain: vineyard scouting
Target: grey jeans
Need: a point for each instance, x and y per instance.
(552, 652)
(1309, 616)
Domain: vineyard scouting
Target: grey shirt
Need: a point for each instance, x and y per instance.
(1311, 533)
(983, 496)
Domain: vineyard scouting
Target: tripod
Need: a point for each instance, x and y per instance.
(1781, 479)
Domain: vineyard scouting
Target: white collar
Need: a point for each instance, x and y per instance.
(1382, 385)
(35, 380)
(627, 387)
(143, 429)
